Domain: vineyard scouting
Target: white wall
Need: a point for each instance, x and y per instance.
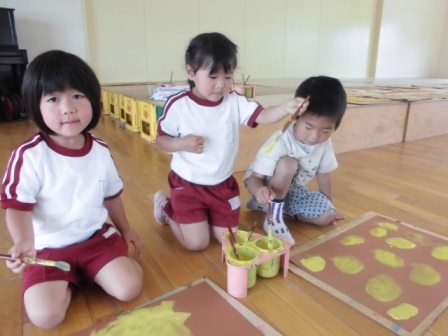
(50, 24)
(142, 40)
(443, 58)
(411, 38)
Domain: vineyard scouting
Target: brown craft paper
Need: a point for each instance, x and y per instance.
(211, 312)
(430, 300)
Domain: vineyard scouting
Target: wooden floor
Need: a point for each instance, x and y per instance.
(404, 181)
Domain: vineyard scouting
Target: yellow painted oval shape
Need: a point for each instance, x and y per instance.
(314, 263)
(383, 288)
(401, 243)
(378, 232)
(348, 264)
(352, 240)
(387, 226)
(440, 252)
(388, 258)
(424, 275)
(402, 312)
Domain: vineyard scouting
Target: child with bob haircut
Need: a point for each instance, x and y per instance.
(200, 127)
(289, 160)
(60, 187)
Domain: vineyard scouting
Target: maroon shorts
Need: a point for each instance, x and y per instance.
(191, 203)
(85, 258)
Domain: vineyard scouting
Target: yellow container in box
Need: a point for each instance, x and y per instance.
(122, 108)
(105, 101)
(132, 116)
(148, 120)
(114, 108)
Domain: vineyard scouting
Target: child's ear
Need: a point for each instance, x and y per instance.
(190, 72)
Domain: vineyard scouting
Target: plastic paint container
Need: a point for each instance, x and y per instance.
(269, 268)
(242, 272)
(240, 236)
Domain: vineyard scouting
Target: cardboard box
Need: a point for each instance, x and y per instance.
(132, 116)
(148, 120)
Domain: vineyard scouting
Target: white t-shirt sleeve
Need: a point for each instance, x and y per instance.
(114, 183)
(248, 110)
(21, 183)
(170, 123)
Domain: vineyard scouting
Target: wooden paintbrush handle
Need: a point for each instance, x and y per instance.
(8, 257)
(27, 260)
(232, 244)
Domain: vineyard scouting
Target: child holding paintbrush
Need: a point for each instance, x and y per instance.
(200, 127)
(60, 187)
(291, 158)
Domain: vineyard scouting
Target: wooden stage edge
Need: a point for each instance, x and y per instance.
(376, 115)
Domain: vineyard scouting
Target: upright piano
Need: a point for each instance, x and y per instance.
(13, 60)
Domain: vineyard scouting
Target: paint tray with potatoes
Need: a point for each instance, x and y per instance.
(393, 272)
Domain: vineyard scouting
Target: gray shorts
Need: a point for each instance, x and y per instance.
(301, 201)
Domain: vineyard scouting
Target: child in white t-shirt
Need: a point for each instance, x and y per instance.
(60, 187)
(288, 160)
(201, 128)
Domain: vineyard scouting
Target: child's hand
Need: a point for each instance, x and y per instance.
(264, 195)
(132, 239)
(193, 143)
(297, 106)
(18, 251)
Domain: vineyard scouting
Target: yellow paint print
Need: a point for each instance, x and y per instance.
(348, 264)
(418, 238)
(314, 263)
(270, 146)
(388, 258)
(405, 311)
(401, 243)
(158, 320)
(440, 252)
(388, 226)
(352, 240)
(383, 288)
(424, 275)
(378, 232)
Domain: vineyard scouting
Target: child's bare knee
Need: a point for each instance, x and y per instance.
(47, 317)
(131, 291)
(196, 244)
(287, 165)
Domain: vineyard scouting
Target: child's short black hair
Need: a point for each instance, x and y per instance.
(57, 70)
(214, 50)
(327, 97)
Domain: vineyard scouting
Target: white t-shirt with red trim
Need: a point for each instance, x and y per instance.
(218, 123)
(320, 158)
(64, 188)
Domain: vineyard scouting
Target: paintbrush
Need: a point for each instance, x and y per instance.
(295, 115)
(270, 221)
(232, 240)
(62, 265)
(252, 231)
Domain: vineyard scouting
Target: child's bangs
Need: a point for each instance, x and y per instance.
(222, 60)
(58, 77)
